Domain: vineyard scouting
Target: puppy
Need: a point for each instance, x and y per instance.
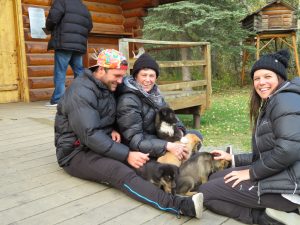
(193, 144)
(162, 175)
(165, 124)
(196, 170)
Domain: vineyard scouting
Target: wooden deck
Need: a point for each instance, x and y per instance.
(35, 190)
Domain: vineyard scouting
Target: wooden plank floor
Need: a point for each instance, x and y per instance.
(35, 190)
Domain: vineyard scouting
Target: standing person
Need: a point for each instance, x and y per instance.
(269, 177)
(70, 23)
(138, 101)
(88, 147)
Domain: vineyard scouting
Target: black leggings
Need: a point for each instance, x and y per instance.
(241, 202)
(91, 166)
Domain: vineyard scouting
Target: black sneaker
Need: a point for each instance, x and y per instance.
(192, 206)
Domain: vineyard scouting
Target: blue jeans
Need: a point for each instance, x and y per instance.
(62, 59)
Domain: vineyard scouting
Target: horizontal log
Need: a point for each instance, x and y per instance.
(103, 7)
(36, 47)
(97, 39)
(116, 19)
(40, 94)
(9, 87)
(40, 59)
(45, 82)
(27, 36)
(113, 2)
(133, 4)
(139, 12)
(38, 2)
(44, 71)
(102, 28)
(134, 22)
(26, 6)
(277, 12)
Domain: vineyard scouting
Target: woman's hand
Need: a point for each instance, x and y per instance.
(115, 136)
(137, 159)
(237, 176)
(178, 149)
(219, 154)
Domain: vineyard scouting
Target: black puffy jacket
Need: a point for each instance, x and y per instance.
(70, 23)
(275, 158)
(135, 119)
(84, 121)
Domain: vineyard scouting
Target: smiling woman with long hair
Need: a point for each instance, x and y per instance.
(263, 187)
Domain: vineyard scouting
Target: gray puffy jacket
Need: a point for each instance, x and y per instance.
(275, 157)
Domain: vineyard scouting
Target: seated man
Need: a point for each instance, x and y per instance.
(88, 147)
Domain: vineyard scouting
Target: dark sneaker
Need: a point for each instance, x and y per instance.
(290, 218)
(265, 219)
(192, 206)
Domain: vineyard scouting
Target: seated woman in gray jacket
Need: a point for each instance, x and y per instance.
(265, 184)
(139, 99)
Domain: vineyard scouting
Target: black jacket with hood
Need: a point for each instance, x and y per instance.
(275, 158)
(136, 112)
(70, 23)
(84, 121)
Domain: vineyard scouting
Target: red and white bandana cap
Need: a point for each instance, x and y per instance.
(111, 59)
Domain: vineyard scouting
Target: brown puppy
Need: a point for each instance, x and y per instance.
(162, 175)
(196, 170)
(193, 143)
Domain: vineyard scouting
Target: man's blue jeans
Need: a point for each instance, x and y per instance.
(62, 59)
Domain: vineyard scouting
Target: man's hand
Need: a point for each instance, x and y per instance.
(137, 159)
(237, 176)
(115, 136)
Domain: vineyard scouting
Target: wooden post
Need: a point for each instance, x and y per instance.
(124, 48)
(296, 52)
(207, 73)
(24, 89)
(257, 46)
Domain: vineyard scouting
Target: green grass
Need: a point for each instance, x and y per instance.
(227, 120)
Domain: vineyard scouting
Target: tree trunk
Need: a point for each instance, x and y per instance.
(186, 74)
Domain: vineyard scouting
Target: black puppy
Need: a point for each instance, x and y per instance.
(161, 175)
(165, 124)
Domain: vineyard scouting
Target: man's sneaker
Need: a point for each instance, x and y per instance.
(198, 204)
(284, 217)
(49, 104)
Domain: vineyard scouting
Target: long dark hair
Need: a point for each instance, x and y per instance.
(256, 102)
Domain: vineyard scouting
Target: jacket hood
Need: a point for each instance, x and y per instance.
(294, 86)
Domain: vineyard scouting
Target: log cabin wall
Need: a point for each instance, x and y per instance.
(277, 16)
(112, 19)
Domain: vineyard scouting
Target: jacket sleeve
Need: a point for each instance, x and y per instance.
(285, 120)
(86, 123)
(55, 15)
(130, 123)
